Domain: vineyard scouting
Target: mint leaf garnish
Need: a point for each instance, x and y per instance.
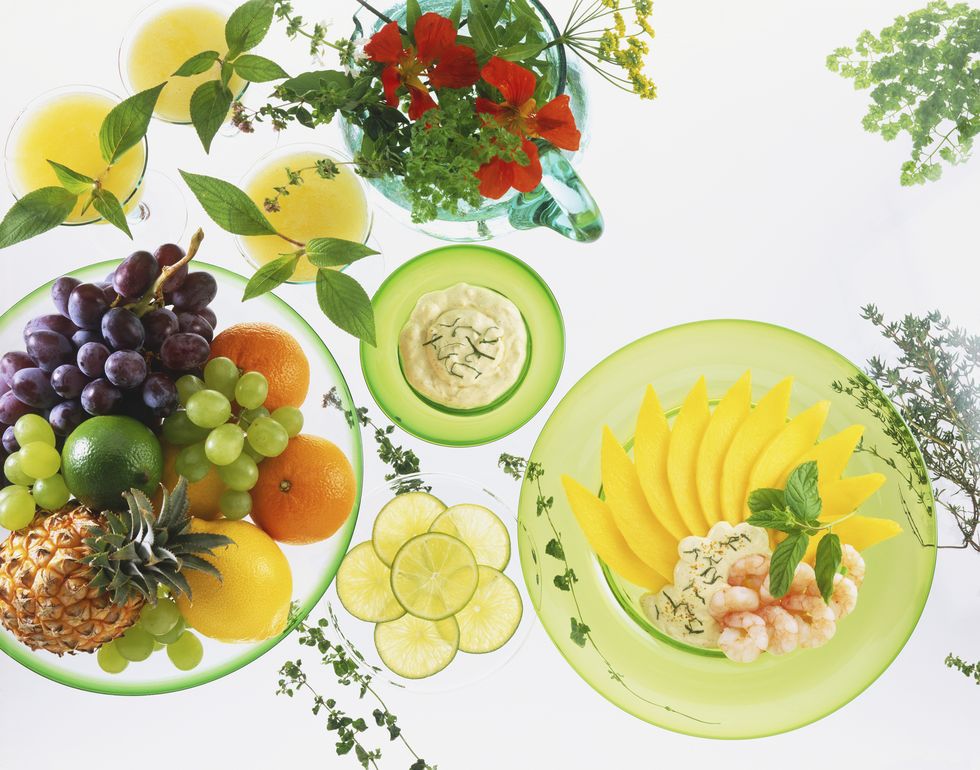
(780, 520)
(72, 181)
(247, 26)
(110, 209)
(197, 64)
(271, 275)
(258, 69)
(336, 252)
(767, 500)
(345, 303)
(35, 213)
(785, 558)
(802, 494)
(230, 208)
(827, 563)
(125, 125)
(210, 103)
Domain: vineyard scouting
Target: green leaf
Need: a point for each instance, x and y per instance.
(198, 63)
(230, 208)
(258, 69)
(482, 28)
(110, 209)
(336, 252)
(785, 558)
(802, 494)
(827, 563)
(126, 124)
(247, 26)
(36, 213)
(72, 181)
(781, 521)
(456, 13)
(580, 632)
(210, 103)
(767, 500)
(521, 52)
(308, 82)
(271, 275)
(412, 13)
(345, 303)
(227, 70)
(554, 549)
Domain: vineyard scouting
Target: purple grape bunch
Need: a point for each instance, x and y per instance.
(112, 347)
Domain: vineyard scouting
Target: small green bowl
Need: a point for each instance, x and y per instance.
(439, 269)
(672, 685)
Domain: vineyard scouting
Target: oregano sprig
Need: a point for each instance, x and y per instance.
(341, 298)
(43, 209)
(795, 511)
(211, 101)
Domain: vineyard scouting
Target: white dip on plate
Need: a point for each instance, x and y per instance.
(681, 610)
(463, 347)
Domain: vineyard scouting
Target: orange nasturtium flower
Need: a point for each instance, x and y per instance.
(434, 55)
(520, 114)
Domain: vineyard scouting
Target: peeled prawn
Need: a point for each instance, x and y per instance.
(728, 599)
(782, 627)
(749, 571)
(744, 637)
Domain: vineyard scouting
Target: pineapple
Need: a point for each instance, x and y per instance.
(75, 579)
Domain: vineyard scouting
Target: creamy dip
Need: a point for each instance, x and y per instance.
(463, 347)
(681, 610)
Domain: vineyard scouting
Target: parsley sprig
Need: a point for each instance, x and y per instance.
(795, 511)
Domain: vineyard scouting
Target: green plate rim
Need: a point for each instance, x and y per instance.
(33, 661)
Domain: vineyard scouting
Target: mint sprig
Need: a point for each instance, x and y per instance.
(341, 298)
(795, 511)
(246, 27)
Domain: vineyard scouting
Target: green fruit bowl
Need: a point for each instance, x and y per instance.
(313, 566)
(598, 626)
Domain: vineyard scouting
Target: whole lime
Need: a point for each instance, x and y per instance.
(106, 456)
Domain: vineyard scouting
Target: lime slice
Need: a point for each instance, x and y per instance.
(415, 648)
(481, 529)
(493, 614)
(401, 519)
(434, 575)
(364, 586)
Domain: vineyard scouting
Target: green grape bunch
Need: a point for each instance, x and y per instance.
(924, 74)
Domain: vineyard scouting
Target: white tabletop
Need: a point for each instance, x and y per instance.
(748, 189)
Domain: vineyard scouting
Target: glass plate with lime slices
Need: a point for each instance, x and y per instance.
(431, 591)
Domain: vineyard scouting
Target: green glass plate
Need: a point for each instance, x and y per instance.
(313, 566)
(673, 686)
(439, 269)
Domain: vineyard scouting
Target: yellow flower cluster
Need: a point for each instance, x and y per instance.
(625, 48)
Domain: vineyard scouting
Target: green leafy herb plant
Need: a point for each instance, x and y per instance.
(44, 209)
(925, 82)
(211, 101)
(341, 298)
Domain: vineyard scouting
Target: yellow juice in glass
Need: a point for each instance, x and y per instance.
(169, 36)
(317, 208)
(65, 128)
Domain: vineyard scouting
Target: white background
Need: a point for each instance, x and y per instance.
(748, 189)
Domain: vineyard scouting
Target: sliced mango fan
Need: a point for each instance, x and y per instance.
(684, 479)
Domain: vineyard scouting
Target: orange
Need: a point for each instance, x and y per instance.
(262, 347)
(251, 600)
(204, 496)
(305, 494)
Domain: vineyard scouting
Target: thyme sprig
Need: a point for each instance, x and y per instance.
(325, 168)
(967, 669)
(350, 669)
(520, 468)
(403, 462)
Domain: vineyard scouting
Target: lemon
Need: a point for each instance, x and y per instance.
(434, 575)
(416, 648)
(480, 529)
(251, 600)
(491, 617)
(402, 519)
(364, 586)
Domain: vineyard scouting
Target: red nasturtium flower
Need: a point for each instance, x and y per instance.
(519, 114)
(435, 55)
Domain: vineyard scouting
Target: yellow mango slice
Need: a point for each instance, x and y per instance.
(779, 457)
(682, 457)
(725, 422)
(596, 520)
(645, 534)
(859, 531)
(758, 429)
(650, 447)
(842, 496)
(831, 455)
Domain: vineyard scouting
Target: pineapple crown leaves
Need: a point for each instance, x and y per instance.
(138, 550)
